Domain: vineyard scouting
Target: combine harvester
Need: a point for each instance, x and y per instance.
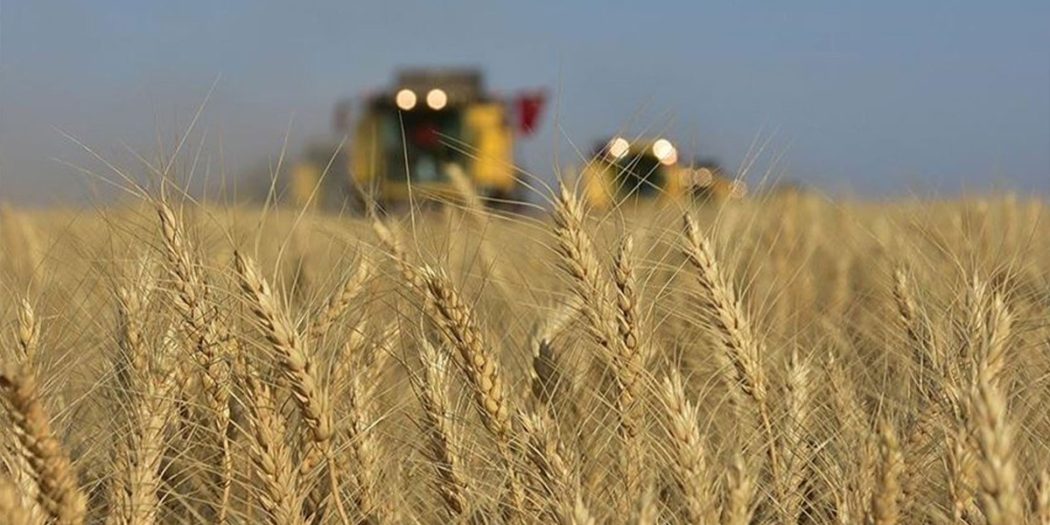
(436, 131)
(649, 169)
(414, 140)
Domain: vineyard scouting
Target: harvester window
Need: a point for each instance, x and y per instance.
(429, 140)
(639, 175)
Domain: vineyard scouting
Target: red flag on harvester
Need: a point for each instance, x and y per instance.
(529, 105)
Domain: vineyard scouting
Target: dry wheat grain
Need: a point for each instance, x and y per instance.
(56, 482)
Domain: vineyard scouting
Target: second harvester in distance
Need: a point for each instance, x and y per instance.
(649, 169)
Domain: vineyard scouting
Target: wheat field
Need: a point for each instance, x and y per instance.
(788, 359)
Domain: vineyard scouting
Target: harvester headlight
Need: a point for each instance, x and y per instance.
(437, 99)
(665, 152)
(619, 147)
(405, 99)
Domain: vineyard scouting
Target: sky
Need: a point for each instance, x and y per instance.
(864, 98)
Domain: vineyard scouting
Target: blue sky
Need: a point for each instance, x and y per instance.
(875, 98)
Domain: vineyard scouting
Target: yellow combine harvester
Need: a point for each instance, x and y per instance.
(623, 170)
(412, 140)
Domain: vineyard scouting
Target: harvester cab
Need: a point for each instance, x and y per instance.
(412, 140)
(649, 169)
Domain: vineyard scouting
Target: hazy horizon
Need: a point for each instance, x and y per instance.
(875, 100)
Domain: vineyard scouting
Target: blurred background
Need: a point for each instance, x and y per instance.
(862, 98)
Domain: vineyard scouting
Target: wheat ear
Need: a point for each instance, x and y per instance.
(457, 323)
(1000, 496)
(546, 453)
(211, 342)
(740, 494)
(392, 242)
(52, 471)
(281, 494)
(798, 394)
(27, 336)
(992, 359)
(742, 345)
(28, 332)
(1042, 499)
(960, 468)
(476, 212)
(340, 301)
(152, 387)
(614, 326)
(294, 360)
(919, 331)
(363, 448)
(629, 361)
(577, 258)
(647, 509)
(581, 515)
(191, 300)
(689, 463)
(439, 432)
(546, 378)
(12, 511)
(856, 440)
(296, 366)
(886, 500)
